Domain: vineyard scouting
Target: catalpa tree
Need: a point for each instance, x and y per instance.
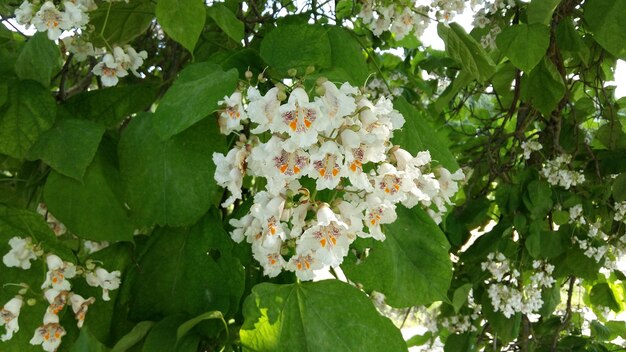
(310, 176)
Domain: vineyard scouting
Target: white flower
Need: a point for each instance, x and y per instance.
(575, 214)
(75, 14)
(272, 262)
(58, 273)
(283, 163)
(110, 70)
(9, 317)
(303, 265)
(326, 165)
(24, 13)
(135, 59)
(404, 23)
(530, 146)
(56, 299)
(335, 106)
(229, 171)
(378, 212)
(21, 253)
(268, 210)
(263, 110)
(233, 114)
(299, 119)
(50, 19)
(326, 240)
(104, 279)
(49, 334)
(80, 307)
(447, 184)
(391, 184)
(93, 246)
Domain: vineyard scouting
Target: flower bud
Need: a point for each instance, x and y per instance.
(261, 78)
(282, 96)
(31, 302)
(310, 69)
(248, 75)
(320, 80)
(320, 90)
(292, 72)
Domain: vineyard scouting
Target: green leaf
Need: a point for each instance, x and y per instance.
(169, 182)
(619, 188)
(411, 267)
(460, 343)
(460, 297)
(601, 295)
(182, 20)
(187, 271)
(189, 324)
(69, 146)
(87, 342)
(109, 106)
(39, 60)
(600, 331)
(29, 111)
(606, 21)
(419, 340)
(133, 337)
(538, 198)
(162, 337)
(347, 56)
(540, 11)
(120, 22)
(569, 39)
(464, 49)
(314, 316)
(418, 135)
(91, 209)
(192, 97)
(524, 44)
(227, 21)
(551, 298)
(460, 82)
(543, 87)
(297, 46)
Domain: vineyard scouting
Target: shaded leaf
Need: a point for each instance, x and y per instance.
(182, 20)
(39, 60)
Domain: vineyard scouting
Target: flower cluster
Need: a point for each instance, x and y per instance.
(47, 17)
(557, 174)
(115, 61)
(57, 291)
(506, 295)
(530, 146)
(329, 171)
(620, 212)
(400, 20)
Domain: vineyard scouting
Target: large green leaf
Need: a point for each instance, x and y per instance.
(619, 188)
(538, 198)
(464, 49)
(39, 60)
(347, 57)
(29, 111)
(601, 295)
(169, 182)
(411, 267)
(315, 316)
(297, 46)
(69, 146)
(162, 337)
(524, 44)
(187, 271)
(419, 135)
(91, 209)
(606, 20)
(507, 329)
(543, 87)
(192, 97)
(87, 342)
(109, 106)
(227, 21)
(117, 23)
(540, 11)
(182, 20)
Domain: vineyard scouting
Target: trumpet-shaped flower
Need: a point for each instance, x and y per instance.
(9, 317)
(49, 334)
(50, 19)
(21, 253)
(80, 307)
(106, 280)
(58, 273)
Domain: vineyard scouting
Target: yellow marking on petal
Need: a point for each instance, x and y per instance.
(323, 242)
(308, 265)
(283, 168)
(307, 123)
(293, 125)
(335, 172)
(299, 266)
(353, 167)
(296, 169)
(322, 172)
(387, 190)
(333, 240)
(273, 230)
